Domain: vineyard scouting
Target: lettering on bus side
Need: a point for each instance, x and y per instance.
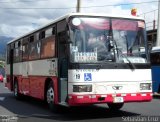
(87, 70)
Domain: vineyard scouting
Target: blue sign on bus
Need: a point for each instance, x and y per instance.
(87, 77)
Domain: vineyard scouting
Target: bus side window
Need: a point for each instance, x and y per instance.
(42, 35)
(25, 49)
(34, 48)
(17, 52)
(48, 32)
(48, 44)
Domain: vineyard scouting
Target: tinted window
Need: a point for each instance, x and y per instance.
(34, 50)
(25, 49)
(17, 52)
(48, 47)
(155, 58)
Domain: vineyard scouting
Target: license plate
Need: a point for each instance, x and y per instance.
(118, 99)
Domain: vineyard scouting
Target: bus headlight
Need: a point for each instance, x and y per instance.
(82, 88)
(145, 86)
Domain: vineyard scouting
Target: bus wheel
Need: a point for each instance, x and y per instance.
(50, 97)
(115, 106)
(16, 93)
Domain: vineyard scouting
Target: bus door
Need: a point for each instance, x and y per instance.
(62, 62)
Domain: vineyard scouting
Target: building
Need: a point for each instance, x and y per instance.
(152, 36)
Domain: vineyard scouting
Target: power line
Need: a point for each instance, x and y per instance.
(148, 12)
(86, 6)
(123, 4)
(149, 22)
(150, 26)
(22, 1)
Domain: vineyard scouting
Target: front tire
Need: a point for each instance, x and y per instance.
(115, 106)
(50, 98)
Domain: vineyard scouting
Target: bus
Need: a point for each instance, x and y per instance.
(57, 63)
(155, 66)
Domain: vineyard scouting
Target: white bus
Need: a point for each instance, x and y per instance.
(82, 59)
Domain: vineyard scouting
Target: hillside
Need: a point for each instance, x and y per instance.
(3, 42)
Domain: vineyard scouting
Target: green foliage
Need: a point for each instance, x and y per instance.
(2, 64)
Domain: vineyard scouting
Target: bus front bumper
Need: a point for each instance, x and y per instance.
(75, 100)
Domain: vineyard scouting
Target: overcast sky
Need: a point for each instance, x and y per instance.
(18, 21)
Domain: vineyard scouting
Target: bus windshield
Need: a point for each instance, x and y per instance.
(107, 40)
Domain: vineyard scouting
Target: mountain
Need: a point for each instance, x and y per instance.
(3, 42)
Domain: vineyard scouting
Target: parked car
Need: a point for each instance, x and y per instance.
(1, 78)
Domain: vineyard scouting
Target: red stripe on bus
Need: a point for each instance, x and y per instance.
(88, 99)
(35, 85)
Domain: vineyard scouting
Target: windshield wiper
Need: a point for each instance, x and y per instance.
(132, 66)
(129, 62)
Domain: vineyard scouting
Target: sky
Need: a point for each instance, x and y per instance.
(17, 17)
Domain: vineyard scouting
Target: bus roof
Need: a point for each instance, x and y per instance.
(78, 14)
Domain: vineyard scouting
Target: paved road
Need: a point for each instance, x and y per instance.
(31, 110)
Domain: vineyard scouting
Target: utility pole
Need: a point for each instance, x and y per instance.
(158, 26)
(78, 5)
(154, 22)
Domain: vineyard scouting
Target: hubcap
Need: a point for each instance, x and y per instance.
(50, 95)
